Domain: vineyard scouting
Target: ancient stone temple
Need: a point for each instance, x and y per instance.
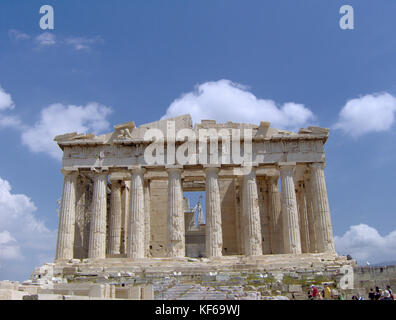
(123, 191)
(127, 230)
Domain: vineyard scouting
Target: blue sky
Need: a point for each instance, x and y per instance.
(125, 61)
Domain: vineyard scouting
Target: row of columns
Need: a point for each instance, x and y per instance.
(301, 214)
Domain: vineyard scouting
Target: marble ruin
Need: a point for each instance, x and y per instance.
(119, 203)
(127, 230)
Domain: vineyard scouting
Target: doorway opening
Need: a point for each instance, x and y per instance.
(195, 223)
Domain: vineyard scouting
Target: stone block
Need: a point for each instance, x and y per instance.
(69, 271)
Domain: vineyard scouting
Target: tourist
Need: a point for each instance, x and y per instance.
(327, 292)
(386, 295)
(371, 294)
(334, 294)
(315, 292)
(310, 294)
(388, 287)
(377, 294)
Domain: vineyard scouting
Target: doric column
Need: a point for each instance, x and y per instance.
(214, 234)
(97, 234)
(136, 241)
(311, 215)
(175, 227)
(147, 231)
(324, 230)
(264, 215)
(291, 230)
(67, 217)
(274, 207)
(115, 218)
(126, 206)
(303, 217)
(251, 211)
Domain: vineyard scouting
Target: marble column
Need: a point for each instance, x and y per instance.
(214, 235)
(67, 218)
(303, 217)
(324, 230)
(310, 215)
(251, 212)
(147, 231)
(264, 215)
(175, 227)
(274, 207)
(115, 218)
(291, 230)
(126, 206)
(97, 234)
(136, 240)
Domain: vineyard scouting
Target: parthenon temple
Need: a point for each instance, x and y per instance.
(265, 191)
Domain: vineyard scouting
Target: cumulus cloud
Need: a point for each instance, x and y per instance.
(5, 100)
(22, 235)
(224, 100)
(369, 113)
(9, 249)
(59, 119)
(46, 39)
(364, 243)
(6, 103)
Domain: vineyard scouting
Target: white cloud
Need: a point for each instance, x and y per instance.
(82, 43)
(9, 249)
(46, 39)
(370, 113)
(59, 119)
(17, 35)
(6, 103)
(22, 235)
(5, 100)
(225, 101)
(364, 243)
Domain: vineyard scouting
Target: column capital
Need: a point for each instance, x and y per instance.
(211, 168)
(317, 165)
(173, 167)
(69, 171)
(137, 169)
(286, 165)
(99, 170)
(250, 164)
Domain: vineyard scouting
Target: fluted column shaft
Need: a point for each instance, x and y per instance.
(126, 206)
(291, 230)
(253, 241)
(324, 230)
(67, 218)
(147, 231)
(115, 218)
(214, 234)
(175, 227)
(97, 235)
(136, 241)
(274, 207)
(264, 215)
(311, 216)
(303, 218)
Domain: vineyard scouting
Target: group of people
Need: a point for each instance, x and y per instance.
(380, 294)
(326, 294)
